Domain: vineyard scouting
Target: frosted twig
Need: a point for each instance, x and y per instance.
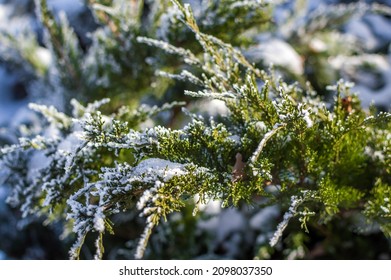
(142, 244)
(295, 202)
(292, 211)
(188, 55)
(183, 76)
(74, 252)
(214, 95)
(263, 142)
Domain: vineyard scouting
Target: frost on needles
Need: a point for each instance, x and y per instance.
(323, 159)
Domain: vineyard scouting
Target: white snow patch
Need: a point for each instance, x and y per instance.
(71, 143)
(23, 115)
(212, 207)
(213, 107)
(365, 83)
(318, 45)
(3, 11)
(223, 223)
(13, 24)
(160, 167)
(307, 118)
(263, 220)
(277, 52)
(381, 26)
(380, 97)
(44, 55)
(36, 162)
(362, 31)
(99, 223)
(211, 225)
(261, 126)
(350, 63)
(230, 220)
(51, 132)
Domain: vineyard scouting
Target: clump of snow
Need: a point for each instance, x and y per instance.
(162, 168)
(261, 126)
(277, 52)
(214, 107)
(381, 96)
(44, 55)
(229, 220)
(350, 64)
(380, 27)
(14, 23)
(363, 32)
(212, 207)
(37, 161)
(3, 11)
(233, 234)
(99, 222)
(71, 143)
(317, 45)
(306, 116)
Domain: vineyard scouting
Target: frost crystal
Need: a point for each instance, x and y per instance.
(307, 118)
(292, 211)
(99, 222)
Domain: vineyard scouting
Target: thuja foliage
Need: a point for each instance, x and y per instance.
(113, 64)
(279, 144)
